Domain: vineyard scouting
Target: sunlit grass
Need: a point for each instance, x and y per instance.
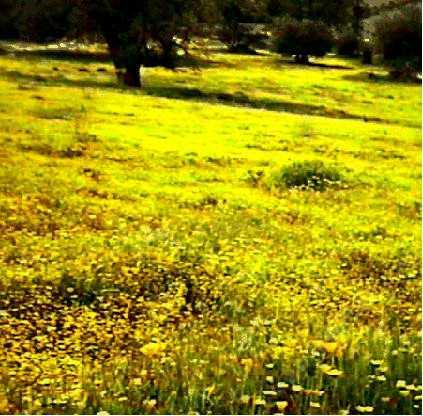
(150, 265)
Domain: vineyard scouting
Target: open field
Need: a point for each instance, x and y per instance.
(154, 259)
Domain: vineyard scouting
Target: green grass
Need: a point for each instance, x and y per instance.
(148, 264)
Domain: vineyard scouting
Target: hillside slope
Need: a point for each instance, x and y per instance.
(154, 258)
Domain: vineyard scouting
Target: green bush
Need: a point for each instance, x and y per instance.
(303, 38)
(307, 175)
(399, 38)
(243, 38)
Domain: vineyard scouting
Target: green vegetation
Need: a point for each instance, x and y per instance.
(303, 39)
(142, 273)
(399, 38)
(311, 174)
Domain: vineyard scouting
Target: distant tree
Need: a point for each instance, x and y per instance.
(359, 9)
(43, 20)
(334, 13)
(237, 18)
(349, 37)
(137, 32)
(347, 42)
(307, 17)
(382, 6)
(349, 34)
(398, 37)
(8, 14)
(303, 38)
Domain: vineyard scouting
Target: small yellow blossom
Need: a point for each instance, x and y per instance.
(282, 405)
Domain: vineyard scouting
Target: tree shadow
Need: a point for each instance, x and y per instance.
(191, 61)
(371, 77)
(56, 80)
(246, 52)
(237, 99)
(316, 65)
(63, 55)
(240, 99)
(84, 57)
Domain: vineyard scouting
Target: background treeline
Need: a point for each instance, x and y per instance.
(157, 32)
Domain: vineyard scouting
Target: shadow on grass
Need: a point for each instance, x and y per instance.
(189, 93)
(315, 65)
(249, 52)
(55, 80)
(241, 99)
(371, 77)
(83, 57)
(63, 55)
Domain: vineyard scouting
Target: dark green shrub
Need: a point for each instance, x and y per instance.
(243, 38)
(308, 175)
(399, 40)
(303, 38)
(43, 21)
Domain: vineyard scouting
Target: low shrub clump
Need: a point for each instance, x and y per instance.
(303, 39)
(312, 174)
(399, 39)
(243, 39)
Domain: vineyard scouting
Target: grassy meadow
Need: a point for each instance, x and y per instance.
(159, 255)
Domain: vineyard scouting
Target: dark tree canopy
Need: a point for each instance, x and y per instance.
(303, 38)
(399, 39)
(304, 27)
(137, 32)
(8, 17)
(152, 32)
(35, 20)
(331, 12)
(236, 20)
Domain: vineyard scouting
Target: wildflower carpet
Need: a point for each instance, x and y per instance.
(239, 237)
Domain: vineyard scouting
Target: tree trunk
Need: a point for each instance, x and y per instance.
(127, 67)
(168, 53)
(129, 75)
(367, 57)
(301, 59)
(132, 76)
(357, 23)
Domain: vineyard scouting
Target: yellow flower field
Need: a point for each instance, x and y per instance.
(157, 255)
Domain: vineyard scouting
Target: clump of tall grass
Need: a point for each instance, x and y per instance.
(313, 174)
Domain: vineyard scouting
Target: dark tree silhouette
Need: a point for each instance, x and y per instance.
(137, 32)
